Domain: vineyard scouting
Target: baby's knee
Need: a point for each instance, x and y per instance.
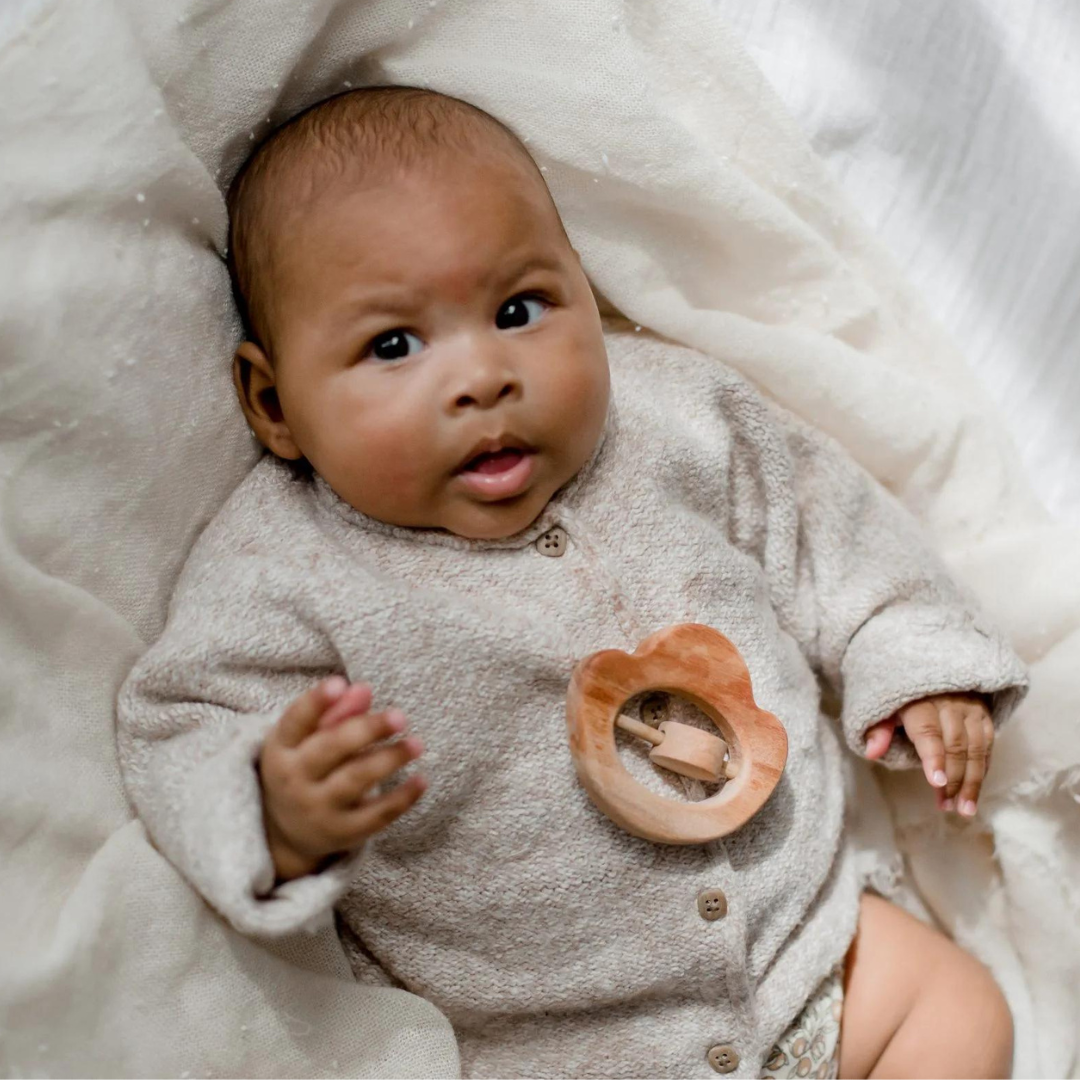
(986, 1018)
(1000, 1024)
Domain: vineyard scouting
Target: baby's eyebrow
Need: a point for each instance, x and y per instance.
(536, 262)
(390, 301)
(512, 272)
(401, 301)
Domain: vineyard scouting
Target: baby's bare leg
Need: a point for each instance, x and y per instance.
(917, 1005)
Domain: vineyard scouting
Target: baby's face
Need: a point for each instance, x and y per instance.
(416, 320)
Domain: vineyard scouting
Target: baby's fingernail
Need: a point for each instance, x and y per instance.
(967, 808)
(395, 720)
(335, 686)
(939, 778)
(948, 804)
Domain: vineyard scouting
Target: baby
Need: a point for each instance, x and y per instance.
(471, 487)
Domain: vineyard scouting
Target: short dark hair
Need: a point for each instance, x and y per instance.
(371, 128)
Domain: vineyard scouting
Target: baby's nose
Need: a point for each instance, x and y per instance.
(487, 395)
(486, 379)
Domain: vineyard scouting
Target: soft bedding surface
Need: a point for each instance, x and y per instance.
(954, 129)
(700, 212)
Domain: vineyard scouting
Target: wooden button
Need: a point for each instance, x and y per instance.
(712, 904)
(723, 1058)
(552, 543)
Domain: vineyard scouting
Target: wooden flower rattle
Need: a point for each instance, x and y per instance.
(700, 664)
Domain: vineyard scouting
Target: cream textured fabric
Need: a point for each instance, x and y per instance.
(954, 130)
(699, 211)
(505, 896)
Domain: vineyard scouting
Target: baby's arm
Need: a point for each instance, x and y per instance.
(243, 641)
(857, 583)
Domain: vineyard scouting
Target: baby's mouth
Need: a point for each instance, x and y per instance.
(496, 462)
(493, 475)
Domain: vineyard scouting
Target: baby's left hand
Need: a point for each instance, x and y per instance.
(952, 734)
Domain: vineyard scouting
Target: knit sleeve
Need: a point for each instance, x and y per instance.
(859, 585)
(240, 644)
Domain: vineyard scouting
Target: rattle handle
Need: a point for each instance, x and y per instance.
(642, 731)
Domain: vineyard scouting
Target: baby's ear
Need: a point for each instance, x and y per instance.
(256, 387)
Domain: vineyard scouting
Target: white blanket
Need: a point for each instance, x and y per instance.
(953, 129)
(699, 211)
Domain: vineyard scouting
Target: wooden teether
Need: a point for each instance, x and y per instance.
(703, 666)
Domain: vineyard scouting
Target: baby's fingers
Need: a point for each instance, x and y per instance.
(302, 716)
(923, 728)
(346, 785)
(356, 699)
(374, 816)
(331, 747)
(879, 738)
(954, 735)
(978, 760)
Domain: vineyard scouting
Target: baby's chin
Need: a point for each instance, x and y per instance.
(469, 519)
(453, 508)
(495, 520)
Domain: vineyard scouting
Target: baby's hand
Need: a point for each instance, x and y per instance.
(315, 768)
(952, 734)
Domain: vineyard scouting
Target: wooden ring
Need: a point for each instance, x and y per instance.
(700, 664)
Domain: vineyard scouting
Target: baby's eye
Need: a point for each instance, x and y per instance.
(519, 311)
(394, 344)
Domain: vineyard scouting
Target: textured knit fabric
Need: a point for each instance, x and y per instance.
(556, 943)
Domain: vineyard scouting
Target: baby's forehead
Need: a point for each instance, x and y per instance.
(357, 141)
(321, 172)
(439, 200)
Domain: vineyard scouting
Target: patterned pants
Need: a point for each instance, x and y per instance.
(811, 1046)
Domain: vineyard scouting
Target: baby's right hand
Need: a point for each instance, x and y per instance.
(315, 768)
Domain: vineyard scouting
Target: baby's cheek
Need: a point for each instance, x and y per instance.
(396, 472)
(585, 395)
